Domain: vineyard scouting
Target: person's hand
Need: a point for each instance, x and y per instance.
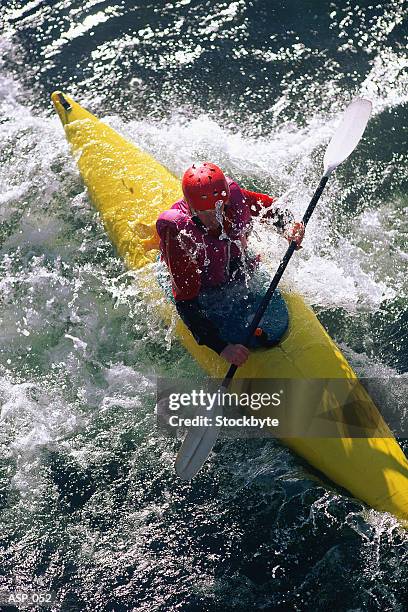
(296, 233)
(236, 354)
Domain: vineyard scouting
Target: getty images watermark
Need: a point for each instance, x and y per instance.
(284, 408)
(209, 402)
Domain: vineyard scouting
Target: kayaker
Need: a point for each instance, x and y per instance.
(203, 240)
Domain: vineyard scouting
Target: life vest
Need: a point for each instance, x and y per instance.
(212, 255)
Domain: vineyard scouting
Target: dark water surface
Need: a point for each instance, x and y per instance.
(90, 507)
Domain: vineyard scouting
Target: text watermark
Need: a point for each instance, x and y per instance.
(340, 408)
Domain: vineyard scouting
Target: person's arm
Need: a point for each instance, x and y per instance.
(186, 286)
(282, 218)
(203, 330)
(264, 205)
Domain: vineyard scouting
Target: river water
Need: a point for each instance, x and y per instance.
(90, 507)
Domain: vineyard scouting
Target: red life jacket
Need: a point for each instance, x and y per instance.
(211, 254)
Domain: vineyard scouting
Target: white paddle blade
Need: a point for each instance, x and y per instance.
(348, 134)
(197, 445)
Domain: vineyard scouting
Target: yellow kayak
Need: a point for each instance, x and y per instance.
(130, 189)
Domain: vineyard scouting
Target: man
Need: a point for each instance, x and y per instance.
(203, 240)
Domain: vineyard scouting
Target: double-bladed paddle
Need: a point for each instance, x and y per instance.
(199, 441)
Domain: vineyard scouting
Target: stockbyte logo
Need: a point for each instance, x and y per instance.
(222, 421)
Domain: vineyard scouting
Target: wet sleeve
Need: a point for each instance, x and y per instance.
(265, 206)
(185, 276)
(203, 330)
(186, 286)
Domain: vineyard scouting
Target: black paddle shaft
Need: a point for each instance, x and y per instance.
(275, 281)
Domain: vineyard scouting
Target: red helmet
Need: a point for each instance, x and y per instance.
(204, 185)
